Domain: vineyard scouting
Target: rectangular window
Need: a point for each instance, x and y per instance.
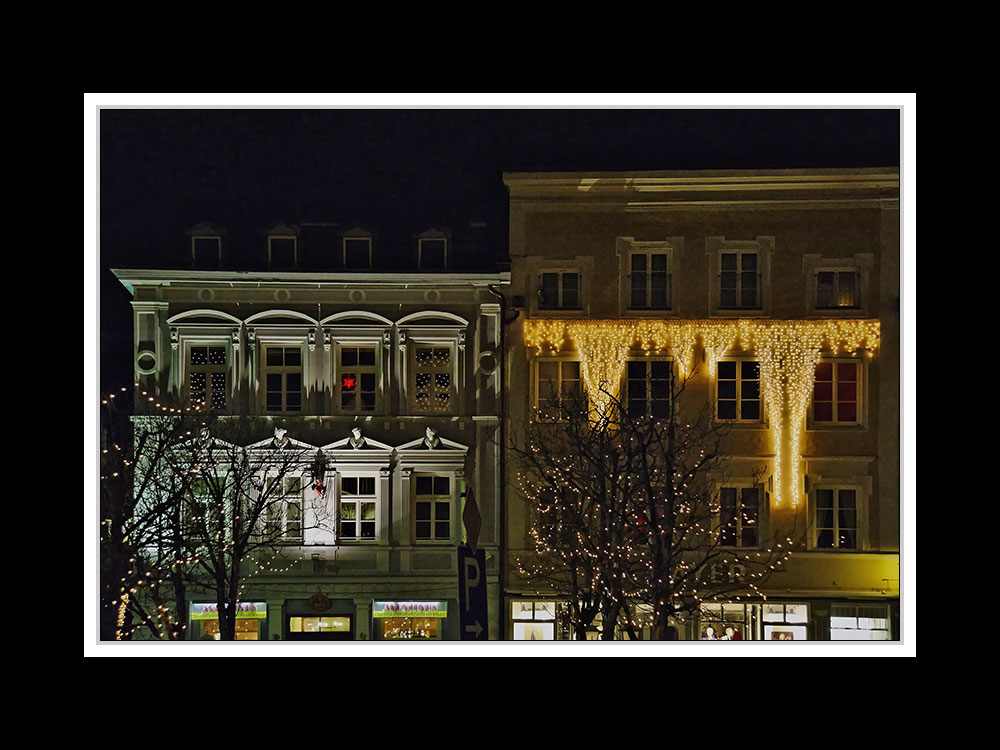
(557, 388)
(207, 376)
(729, 622)
(836, 519)
(433, 383)
(283, 517)
(859, 622)
(837, 290)
(648, 388)
(836, 392)
(650, 281)
(433, 254)
(739, 516)
(357, 507)
(283, 378)
(739, 281)
(281, 252)
(357, 379)
(432, 507)
(785, 622)
(738, 391)
(559, 290)
(534, 620)
(206, 252)
(357, 253)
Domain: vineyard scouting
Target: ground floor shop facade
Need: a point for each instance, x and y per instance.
(378, 611)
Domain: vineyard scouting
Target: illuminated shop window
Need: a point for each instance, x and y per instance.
(738, 391)
(649, 279)
(739, 516)
(648, 387)
(283, 378)
(559, 290)
(534, 620)
(837, 290)
(836, 519)
(207, 376)
(319, 624)
(433, 378)
(357, 379)
(785, 622)
(557, 387)
(837, 393)
(357, 507)
(432, 507)
(729, 622)
(859, 622)
(409, 620)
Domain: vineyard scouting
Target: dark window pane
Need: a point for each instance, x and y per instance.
(824, 371)
(366, 357)
(442, 486)
(356, 253)
(824, 498)
(727, 410)
(848, 539)
(293, 401)
(423, 530)
(750, 409)
(293, 382)
(636, 370)
(571, 298)
(347, 528)
(368, 381)
(366, 485)
(751, 389)
(847, 412)
(847, 372)
(282, 253)
(727, 370)
(274, 356)
(349, 485)
(432, 254)
(729, 261)
(441, 512)
(349, 357)
(824, 538)
(748, 262)
(441, 530)
(293, 357)
(423, 511)
(823, 392)
(750, 370)
(638, 263)
(425, 485)
(727, 389)
(368, 402)
(823, 411)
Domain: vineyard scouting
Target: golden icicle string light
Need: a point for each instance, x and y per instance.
(787, 350)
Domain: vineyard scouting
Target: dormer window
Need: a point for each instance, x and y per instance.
(206, 251)
(432, 251)
(357, 253)
(282, 251)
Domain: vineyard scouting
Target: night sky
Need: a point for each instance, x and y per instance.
(162, 171)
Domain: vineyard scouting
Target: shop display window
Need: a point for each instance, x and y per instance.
(729, 622)
(409, 628)
(785, 622)
(534, 620)
(319, 624)
(856, 622)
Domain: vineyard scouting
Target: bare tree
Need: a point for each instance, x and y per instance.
(245, 502)
(632, 509)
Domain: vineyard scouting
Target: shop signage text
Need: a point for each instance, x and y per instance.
(244, 611)
(410, 609)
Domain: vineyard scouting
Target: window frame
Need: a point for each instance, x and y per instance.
(374, 499)
(295, 250)
(452, 369)
(625, 393)
(420, 251)
(343, 251)
(739, 419)
(218, 249)
(449, 500)
(763, 502)
(763, 248)
(860, 419)
(860, 264)
(560, 287)
(338, 368)
(649, 249)
(837, 273)
(536, 389)
(266, 369)
(843, 607)
(208, 342)
(282, 504)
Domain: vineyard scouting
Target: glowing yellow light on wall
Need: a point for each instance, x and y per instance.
(787, 350)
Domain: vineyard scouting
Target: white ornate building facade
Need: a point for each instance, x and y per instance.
(391, 376)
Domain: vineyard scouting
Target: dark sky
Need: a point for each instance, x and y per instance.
(161, 171)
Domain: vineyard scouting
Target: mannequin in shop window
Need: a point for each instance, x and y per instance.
(709, 634)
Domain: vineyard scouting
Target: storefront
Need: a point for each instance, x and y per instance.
(319, 618)
(409, 620)
(251, 621)
(808, 620)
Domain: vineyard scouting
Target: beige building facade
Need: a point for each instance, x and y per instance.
(781, 291)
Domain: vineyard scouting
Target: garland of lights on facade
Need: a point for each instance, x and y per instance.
(787, 350)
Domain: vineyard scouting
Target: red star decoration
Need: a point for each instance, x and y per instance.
(348, 382)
